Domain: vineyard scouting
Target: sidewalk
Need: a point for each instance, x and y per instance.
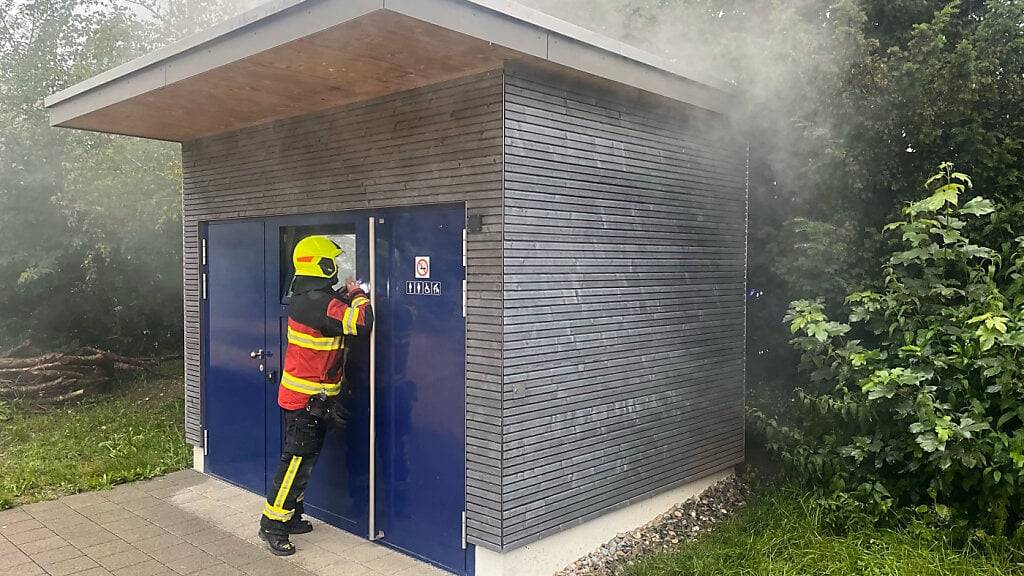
(182, 523)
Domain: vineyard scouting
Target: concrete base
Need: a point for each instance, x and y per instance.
(549, 555)
(198, 459)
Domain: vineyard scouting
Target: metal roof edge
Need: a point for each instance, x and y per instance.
(512, 14)
(600, 41)
(231, 26)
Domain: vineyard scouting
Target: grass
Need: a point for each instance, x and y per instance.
(778, 535)
(128, 435)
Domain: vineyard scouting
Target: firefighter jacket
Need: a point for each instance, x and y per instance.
(319, 321)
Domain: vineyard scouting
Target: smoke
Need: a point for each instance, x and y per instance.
(785, 58)
(172, 20)
(790, 62)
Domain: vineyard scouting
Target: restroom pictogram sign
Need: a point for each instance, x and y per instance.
(423, 267)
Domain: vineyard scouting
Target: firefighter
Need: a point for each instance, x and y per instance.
(319, 322)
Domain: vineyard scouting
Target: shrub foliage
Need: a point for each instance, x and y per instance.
(916, 400)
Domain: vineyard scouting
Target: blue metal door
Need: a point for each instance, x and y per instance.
(420, 483)
(234, 403)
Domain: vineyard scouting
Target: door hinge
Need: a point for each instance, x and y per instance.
(463, 529)
(203, 255)
(464, 254)
(464, 298)
(206, 442)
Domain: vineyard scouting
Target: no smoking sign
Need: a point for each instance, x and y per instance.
(422, 266)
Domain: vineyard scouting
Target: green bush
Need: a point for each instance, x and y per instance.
(917, 399)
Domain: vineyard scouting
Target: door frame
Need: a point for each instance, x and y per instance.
(364, 220)
(276, 310)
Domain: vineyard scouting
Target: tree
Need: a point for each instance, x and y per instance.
(917, 399)
(90, 223)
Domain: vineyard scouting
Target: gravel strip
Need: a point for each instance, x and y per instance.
(681, 523)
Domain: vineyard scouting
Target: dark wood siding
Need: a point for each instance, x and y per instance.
(436, 144)
(624, 278)
(605, 330)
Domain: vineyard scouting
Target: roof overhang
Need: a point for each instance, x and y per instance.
(293, 57)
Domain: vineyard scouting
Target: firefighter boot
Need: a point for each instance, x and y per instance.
(299, 526)
(278, 544)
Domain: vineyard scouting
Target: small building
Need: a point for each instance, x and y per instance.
(553, 228)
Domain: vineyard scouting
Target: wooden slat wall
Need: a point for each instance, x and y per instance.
(616, 368)
(624, 278)
(441, 143)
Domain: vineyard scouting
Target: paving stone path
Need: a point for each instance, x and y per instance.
(182, 523)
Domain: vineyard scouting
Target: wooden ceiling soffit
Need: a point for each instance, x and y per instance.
(374, 55)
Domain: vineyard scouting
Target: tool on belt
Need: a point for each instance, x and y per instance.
(327, 409)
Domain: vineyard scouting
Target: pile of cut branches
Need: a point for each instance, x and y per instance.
(59, 377)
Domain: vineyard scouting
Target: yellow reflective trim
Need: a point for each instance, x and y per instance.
(275, 513)
(278, 514)
(309, 387)
(348, 321)
(313, 342)
(286, 483)
(311, 338)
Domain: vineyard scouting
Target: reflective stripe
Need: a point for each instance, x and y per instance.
(313, 342)
(350, 321)
(286, 483)
(277, 514)
(309, 387)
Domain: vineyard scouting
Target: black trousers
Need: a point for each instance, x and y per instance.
(303, 439)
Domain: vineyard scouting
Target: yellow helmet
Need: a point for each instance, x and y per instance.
(314, 256)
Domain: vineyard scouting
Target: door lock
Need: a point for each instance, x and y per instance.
(257, 354)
